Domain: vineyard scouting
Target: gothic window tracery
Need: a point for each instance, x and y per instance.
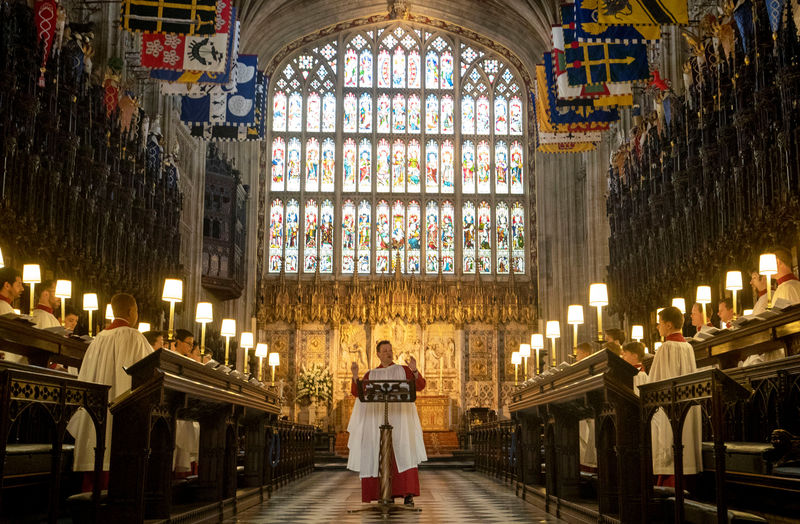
(389, 144)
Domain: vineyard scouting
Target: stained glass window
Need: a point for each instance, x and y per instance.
(402, 129)
(292, 232)
(310, 237)
(348, 236)
(275, 236)
(349, 160)
(326, 238)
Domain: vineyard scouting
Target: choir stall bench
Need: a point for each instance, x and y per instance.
(599, 387)
(167, 386)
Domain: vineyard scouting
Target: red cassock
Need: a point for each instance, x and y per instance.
(405, 483)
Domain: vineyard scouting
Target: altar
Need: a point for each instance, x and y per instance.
(436, 412)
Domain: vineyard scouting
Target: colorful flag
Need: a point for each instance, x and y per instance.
(602, 94)
(193, 53)
(643, 12)
(587, 29)
(571, 147)
(236, 108)
(775, 12)
(587, 116)
(182, 17)
(202, 77)
(743, 14)
(240, 133)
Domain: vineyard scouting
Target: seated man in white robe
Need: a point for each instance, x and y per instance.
(115, 348)
(788, 285)
(674, 358)
(45, 305)
(633, 353)
(407, 442)
(588, 448)
(10, 289)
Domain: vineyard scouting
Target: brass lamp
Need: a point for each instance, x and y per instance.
(228, 330)
(109, 313)
(144, 327)
(553, 331)
(703, 298)
(637, 333)
(516, 359)
(598, 297)
(64, 292)
(246, 341)
(525, 353)
(274, 361)
(173, 292)
(768, 266)
(31, 274)
(90, 304)
(575, 318)
(679, 303)
(537, 344)
(2, 264)
(733, 283)
(261, 352)
(203, 316)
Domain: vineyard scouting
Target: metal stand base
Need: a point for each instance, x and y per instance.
(385, 508)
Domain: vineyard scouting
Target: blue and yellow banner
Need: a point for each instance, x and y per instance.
(588, 29)
(643, 12)
(182, 17)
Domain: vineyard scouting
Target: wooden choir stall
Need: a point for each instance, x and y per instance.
(167, 387)
(750, 428)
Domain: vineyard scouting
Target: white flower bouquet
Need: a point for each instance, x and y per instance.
(315, 384)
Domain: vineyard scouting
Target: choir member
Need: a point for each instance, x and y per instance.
(183, 343)
(674, 358)
(697, 317)
(112, 350)
(788, 284)
(70, 321)
(364, 442)
(725, 312)
(155, 339)
(633, 353)
(45, 305)
(615, 335)
(759, 284)
(583, 350)
(10, 289)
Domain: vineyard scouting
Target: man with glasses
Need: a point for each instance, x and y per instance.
(184, 340)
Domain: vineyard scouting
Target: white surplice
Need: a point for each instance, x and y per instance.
(365, 434)
(675, 359)
(187, 444)
(112, 350)
(761, 304)
(789, 290)
(44, 319)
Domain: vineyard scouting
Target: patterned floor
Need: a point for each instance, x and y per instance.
(448, 496)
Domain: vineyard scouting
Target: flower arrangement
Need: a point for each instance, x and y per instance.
(315, 384)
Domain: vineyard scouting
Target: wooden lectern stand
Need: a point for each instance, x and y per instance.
(386, 391)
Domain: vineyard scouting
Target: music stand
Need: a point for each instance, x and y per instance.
(386, 391)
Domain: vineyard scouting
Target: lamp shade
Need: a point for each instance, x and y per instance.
(64, 289)
(246, 340)
(516, 358)
(228, 328)
(274, 359)
(261, 350)
(109, 313)
(703, 294)
(31, 273)
(173, 290)
(2, 264)
(637, 332)
(537, 341)
(575, 314)
(747, 312)
(598, 295)
(144, 327)
(767, 264)
(553, 329)
(90, 302)
(679, 303)
(656, 346)
(525, 350)
(733, 280)
(204, 313)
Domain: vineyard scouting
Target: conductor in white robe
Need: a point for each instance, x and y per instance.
(407, 442)
(117, 347)
(675, 358)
